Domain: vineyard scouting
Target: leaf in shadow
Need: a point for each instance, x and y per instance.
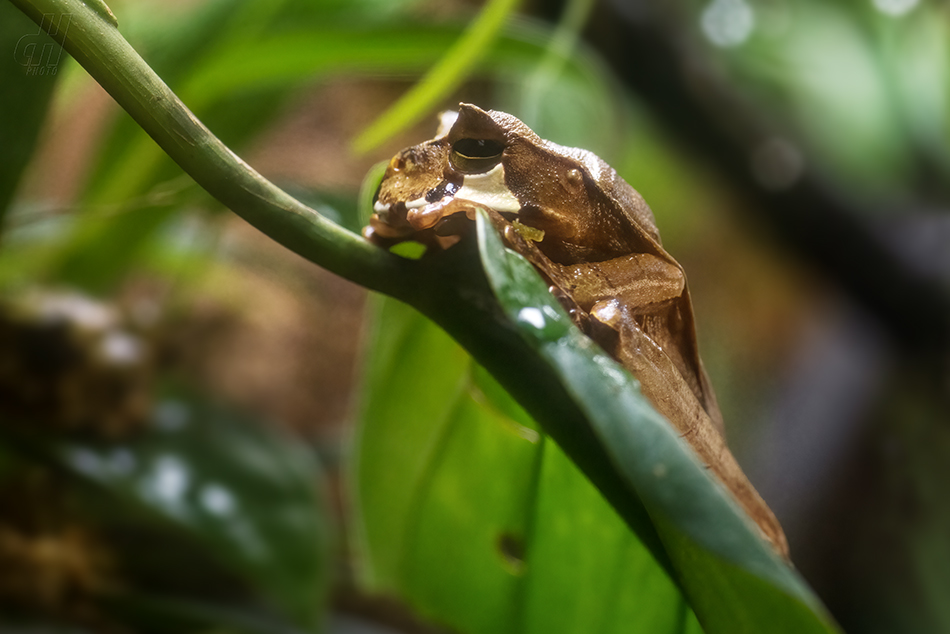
(246, 495)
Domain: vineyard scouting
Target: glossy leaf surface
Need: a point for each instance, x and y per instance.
(479, 519)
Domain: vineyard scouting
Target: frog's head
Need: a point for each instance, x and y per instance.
(571, 201)
(432, 189)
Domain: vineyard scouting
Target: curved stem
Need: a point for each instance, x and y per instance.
(95, 42)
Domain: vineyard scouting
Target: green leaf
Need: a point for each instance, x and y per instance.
(247, 495)
(476, 517)
(731, 578)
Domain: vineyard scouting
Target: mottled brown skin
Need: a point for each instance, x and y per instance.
(601, 254)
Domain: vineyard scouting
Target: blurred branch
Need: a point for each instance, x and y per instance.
(95, 42)
(651, 53)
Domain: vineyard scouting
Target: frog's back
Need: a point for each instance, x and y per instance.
(626, 197)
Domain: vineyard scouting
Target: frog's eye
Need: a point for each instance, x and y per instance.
(475, 156)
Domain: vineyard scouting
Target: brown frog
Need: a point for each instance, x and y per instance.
(595, 241)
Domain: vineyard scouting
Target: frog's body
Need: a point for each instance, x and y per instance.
(600, 241)
(595, 240)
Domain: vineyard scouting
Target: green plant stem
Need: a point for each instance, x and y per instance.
(97, 45)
